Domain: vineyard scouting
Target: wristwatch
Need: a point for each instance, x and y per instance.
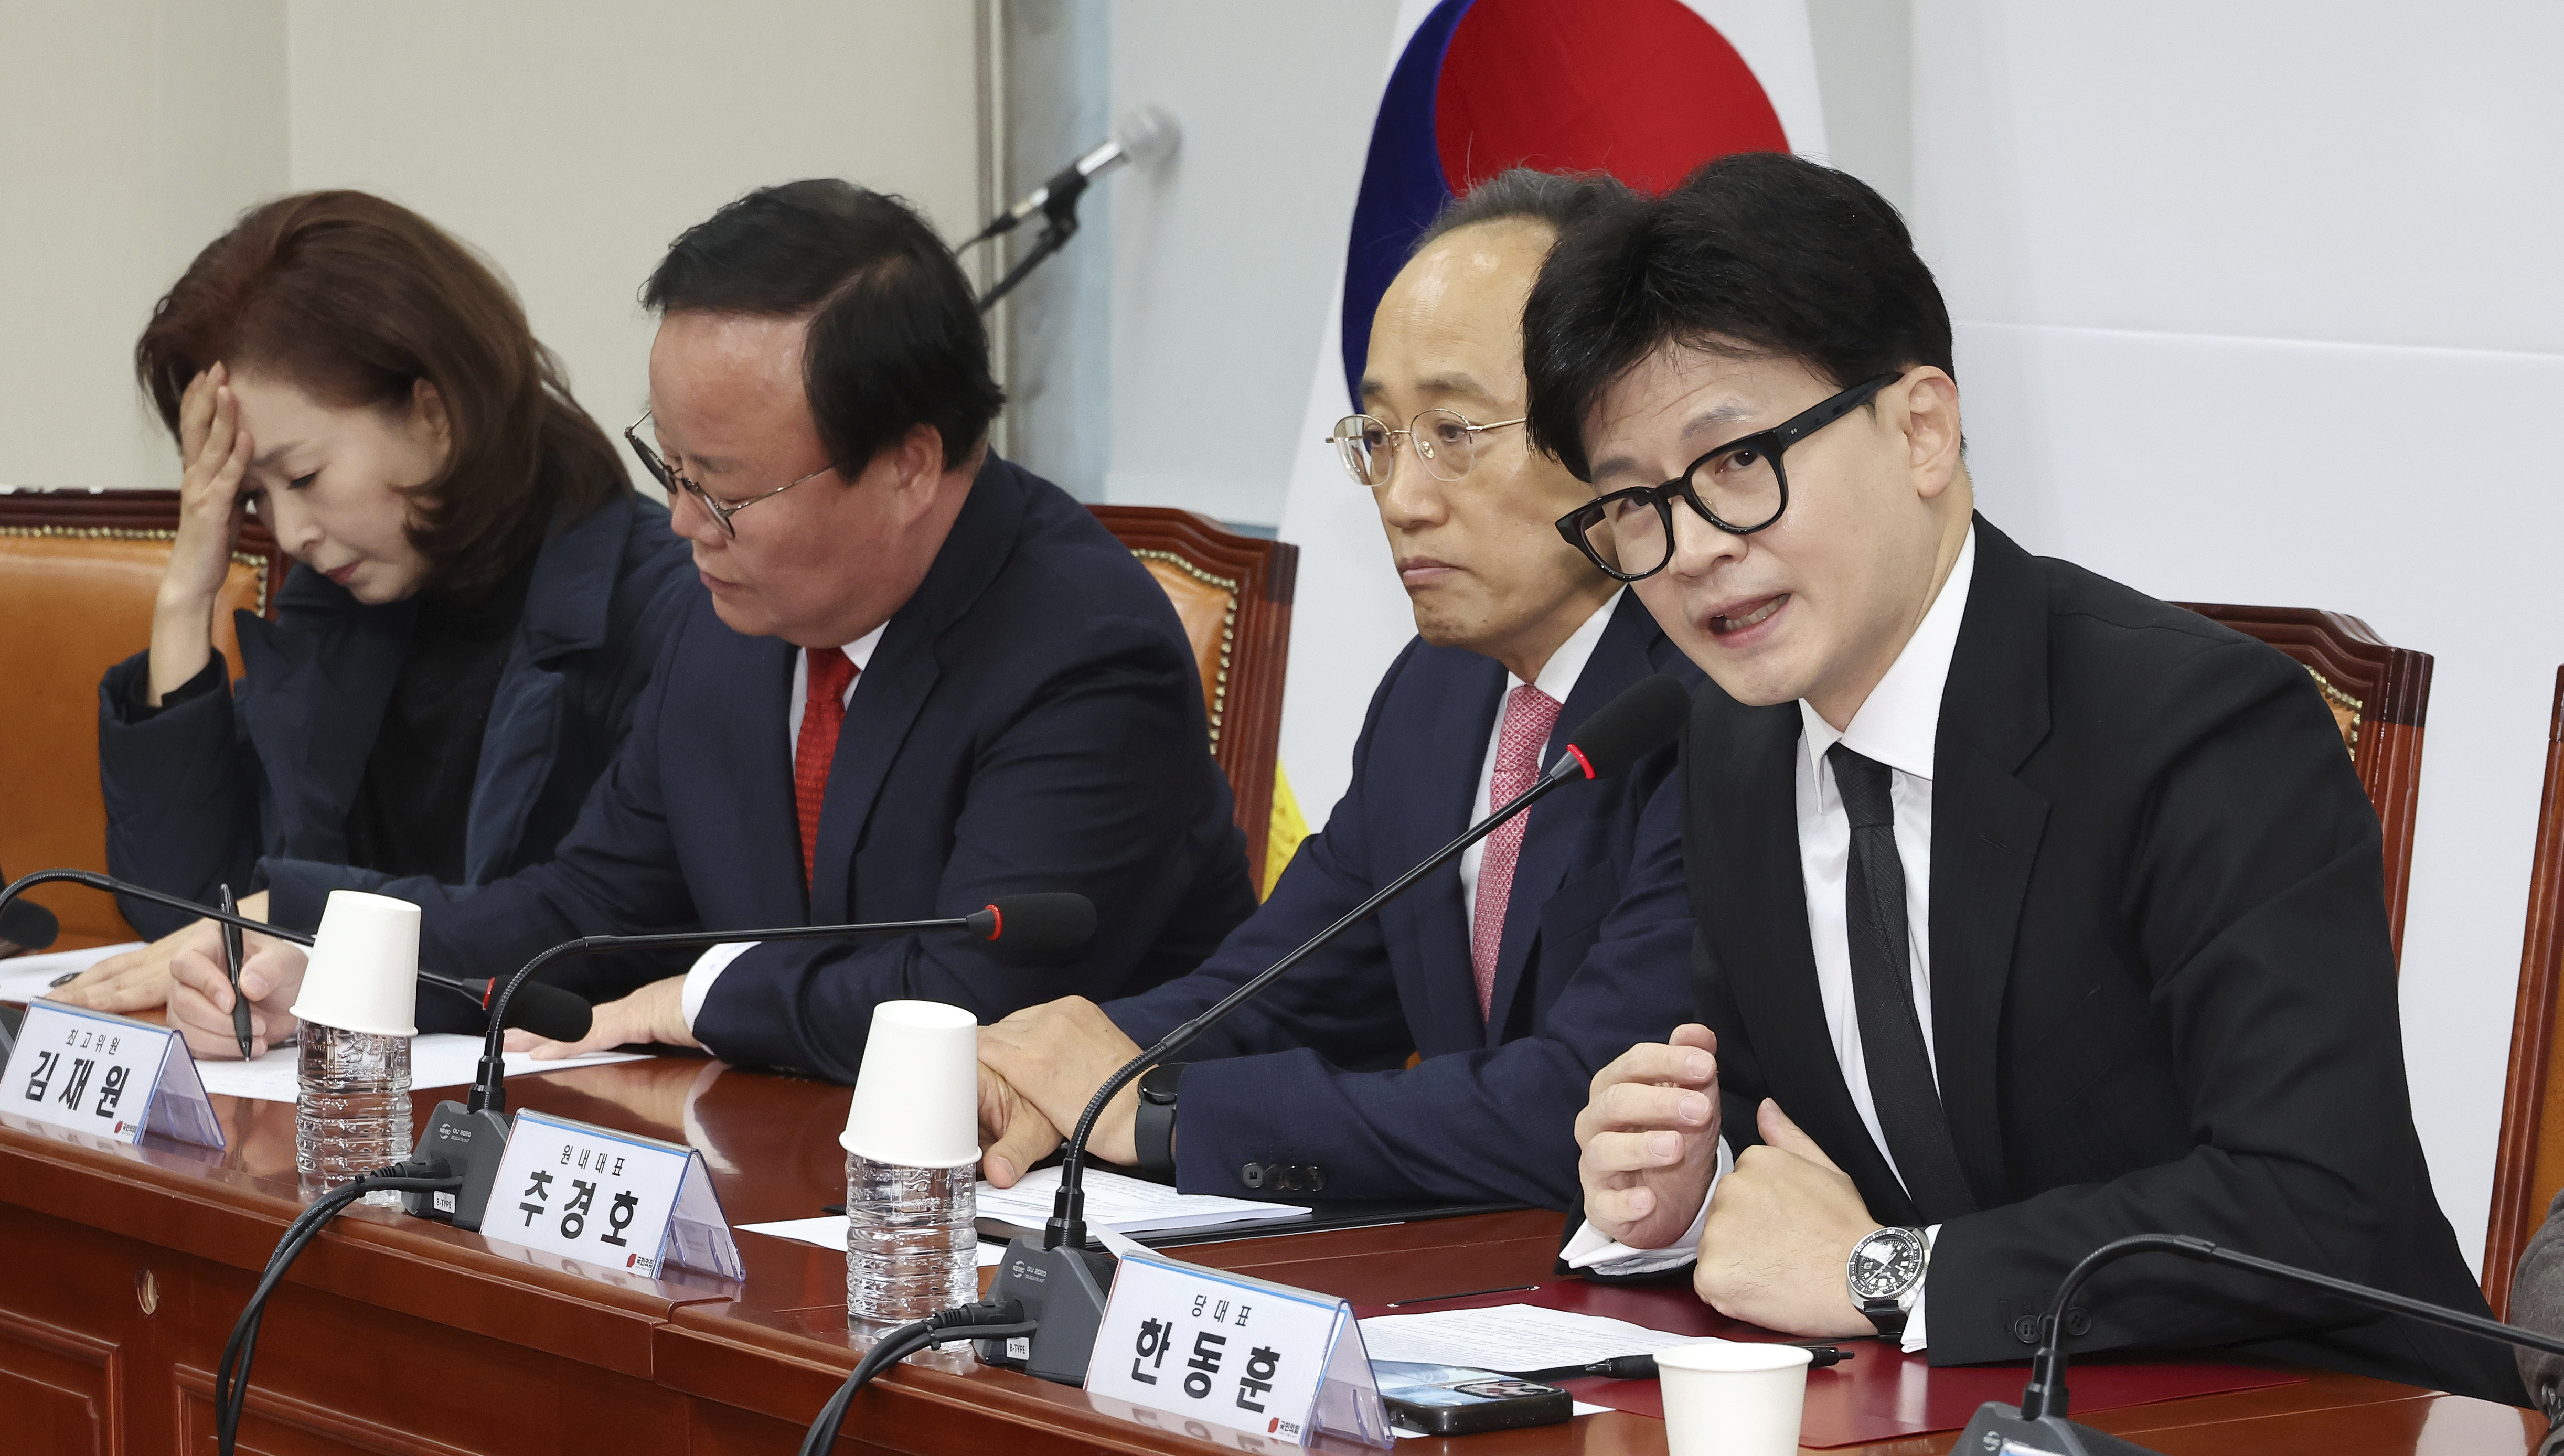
(1155, 1130)
(1885, 1272)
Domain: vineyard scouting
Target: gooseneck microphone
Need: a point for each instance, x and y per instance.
(1058, 1283)
(473, 1135)
(546, 1011)
(1145, 136)
(2039, 1426)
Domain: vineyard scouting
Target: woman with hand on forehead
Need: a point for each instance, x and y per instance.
(477, 598)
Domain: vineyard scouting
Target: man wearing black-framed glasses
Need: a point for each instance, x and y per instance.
(2034, 912)
(918, 677)
(1514, 974)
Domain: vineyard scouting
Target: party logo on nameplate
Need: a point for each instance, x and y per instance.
(112, 1076)
(609, 1199)
(1261, 1360)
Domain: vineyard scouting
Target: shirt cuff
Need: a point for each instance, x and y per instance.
(707, 969)
(1595, 1250)
(1915, 1338)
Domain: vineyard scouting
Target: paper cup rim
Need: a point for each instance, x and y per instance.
(904, 1157)
(340, 1023)
(1734, 1358)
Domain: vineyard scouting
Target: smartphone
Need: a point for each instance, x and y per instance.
(1456, 1400)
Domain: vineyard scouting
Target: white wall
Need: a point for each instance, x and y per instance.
(1224, 261)
(2259, 303)
(572, 142)
(130, 133)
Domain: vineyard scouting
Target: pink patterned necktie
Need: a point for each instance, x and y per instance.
(1530, 713)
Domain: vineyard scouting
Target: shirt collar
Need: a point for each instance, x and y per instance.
(1901, 720)
(1557, 675)
(860, 651)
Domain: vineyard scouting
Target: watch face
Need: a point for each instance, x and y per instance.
(1886, 1265)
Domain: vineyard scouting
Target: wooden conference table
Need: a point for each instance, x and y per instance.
(123, 1269)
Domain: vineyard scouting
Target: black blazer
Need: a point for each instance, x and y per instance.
(1031, 720)
(2163, 993)
(252, 788)
(1310, 1076)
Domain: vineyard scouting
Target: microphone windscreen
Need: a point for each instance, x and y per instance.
(1148, 136)
(28, 926)
(1645, 718)
(1048, 919)
(550, 1011)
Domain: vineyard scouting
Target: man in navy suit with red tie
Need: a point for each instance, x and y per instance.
(919, 678)
(1512, 972)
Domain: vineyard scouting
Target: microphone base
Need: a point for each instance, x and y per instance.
(2000, 1428)
(1062, 1292)
(472, 1145)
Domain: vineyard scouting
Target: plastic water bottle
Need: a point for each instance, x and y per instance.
(911, 1246)
(353, 1114)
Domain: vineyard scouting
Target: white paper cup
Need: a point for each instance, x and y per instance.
(362, 974)
(917, 1095)
(1733, 1399)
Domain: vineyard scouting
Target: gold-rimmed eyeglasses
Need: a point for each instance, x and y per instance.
(1444, 440)
(720, 509)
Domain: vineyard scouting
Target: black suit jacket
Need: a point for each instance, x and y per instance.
(1031, 720)
(1310, 1074)
(2163, 992)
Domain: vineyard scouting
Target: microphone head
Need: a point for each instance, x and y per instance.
(1645, 718)
(1148, 136)
(550, 1011)
(1047, 919)
(28, 926)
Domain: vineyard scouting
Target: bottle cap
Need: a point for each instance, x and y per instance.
(362, 974)
(917, 1096)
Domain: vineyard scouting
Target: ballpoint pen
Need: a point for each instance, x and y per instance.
(232, 965)
(1643, 1366)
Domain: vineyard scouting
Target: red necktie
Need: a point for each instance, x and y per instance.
(1530, 713)
(823, 713)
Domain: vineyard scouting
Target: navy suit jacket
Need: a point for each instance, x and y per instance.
(258, 781)
(1595, 957)
(1031, 720)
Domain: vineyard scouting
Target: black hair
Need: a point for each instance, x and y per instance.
(1757, 253)
(894, 338)
(1559, 199)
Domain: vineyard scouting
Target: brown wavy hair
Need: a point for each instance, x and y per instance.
(355, 300)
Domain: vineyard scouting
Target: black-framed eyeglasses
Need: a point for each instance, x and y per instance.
(1739, 488)
(720, 509)
(1444, 440)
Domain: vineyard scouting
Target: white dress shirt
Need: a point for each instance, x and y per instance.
(1557, 679)
(709, 965)
(1897, 725)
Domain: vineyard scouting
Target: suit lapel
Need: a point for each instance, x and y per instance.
(1560, 823)
(756, 671)
(313, 708)
(1750, 880)
(894, 685)
(1986, 831)
(1446, 801)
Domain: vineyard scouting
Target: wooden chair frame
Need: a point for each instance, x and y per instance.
(2525, 1174)
(135, 516)
(2380, 695)
(1244, 698)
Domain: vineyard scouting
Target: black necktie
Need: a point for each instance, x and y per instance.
(1882, 993)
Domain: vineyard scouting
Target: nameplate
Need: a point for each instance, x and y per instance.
(107, 1075)
(1259, 1360)
(609, 1199)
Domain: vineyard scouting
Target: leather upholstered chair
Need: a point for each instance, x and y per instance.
(78, 574)
(2528, 1163)
(1233, 592)
(2378, 696)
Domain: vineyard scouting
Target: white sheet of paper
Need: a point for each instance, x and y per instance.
(1125, 1204)
(1511, 1337)
(25, 977)
(438, 1059)
(829, 1232)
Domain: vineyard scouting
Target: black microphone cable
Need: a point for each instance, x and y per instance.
(981, 1320)
(231, 1374)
